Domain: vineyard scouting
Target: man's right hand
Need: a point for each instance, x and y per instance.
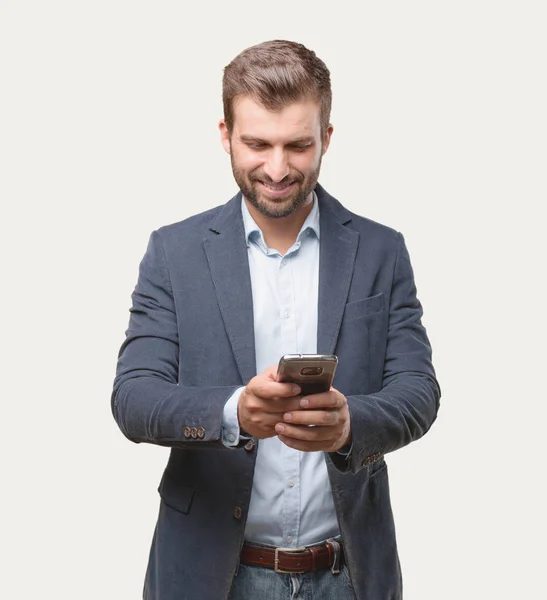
(263, 403)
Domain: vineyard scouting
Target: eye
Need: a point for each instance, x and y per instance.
(256, 146)
(300, 148)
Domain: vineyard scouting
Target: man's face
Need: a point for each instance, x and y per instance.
(276, 156)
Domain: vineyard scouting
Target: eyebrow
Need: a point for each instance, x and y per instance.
(301, 140)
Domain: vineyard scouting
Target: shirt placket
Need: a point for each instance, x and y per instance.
(289, 456)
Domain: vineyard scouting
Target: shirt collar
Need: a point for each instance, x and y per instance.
(253, 232)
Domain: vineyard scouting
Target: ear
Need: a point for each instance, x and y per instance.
(326, 138)
(224, 135)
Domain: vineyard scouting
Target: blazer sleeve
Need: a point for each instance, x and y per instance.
(406, 406)
(148, 402)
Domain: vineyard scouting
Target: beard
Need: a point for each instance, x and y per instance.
(275, 207)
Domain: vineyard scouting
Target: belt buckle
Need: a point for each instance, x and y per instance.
(301, 550)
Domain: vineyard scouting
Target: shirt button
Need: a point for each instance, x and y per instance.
(250, 445)
(201, 433)
(232, 438)
(238, 513)
(291, 483)
(286, 314)
(187, 432)
(289, 539)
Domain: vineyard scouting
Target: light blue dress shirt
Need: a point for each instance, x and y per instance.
(291, 501)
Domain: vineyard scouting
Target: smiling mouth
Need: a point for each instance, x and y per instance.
(277, 188)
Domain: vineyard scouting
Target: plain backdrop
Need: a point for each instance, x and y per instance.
(108, 130)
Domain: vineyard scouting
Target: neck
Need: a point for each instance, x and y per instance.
(280, 233)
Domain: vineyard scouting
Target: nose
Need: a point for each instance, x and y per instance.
(277, 166)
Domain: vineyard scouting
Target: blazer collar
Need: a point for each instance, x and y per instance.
(230, 214)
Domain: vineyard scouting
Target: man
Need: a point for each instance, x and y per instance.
(281, 268)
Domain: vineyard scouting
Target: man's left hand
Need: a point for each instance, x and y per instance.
(328, 412)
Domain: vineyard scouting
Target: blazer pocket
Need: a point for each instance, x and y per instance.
(175, 494)
(364, 307)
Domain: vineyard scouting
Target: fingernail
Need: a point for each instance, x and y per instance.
(304, 402)
(296, 389)
(279, 428)
(287, 416)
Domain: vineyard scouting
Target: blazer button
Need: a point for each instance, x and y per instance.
(194, 432)
(201, 433)
(187, 432)
(238, 513)
(250, 445)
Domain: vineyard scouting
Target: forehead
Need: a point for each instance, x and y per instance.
(296, 119)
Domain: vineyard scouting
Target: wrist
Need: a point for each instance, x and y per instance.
(347, 442)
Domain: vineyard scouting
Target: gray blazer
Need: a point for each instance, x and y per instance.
(190, 345)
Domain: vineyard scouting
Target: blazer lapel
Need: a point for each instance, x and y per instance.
(226, 253)
(338, 248)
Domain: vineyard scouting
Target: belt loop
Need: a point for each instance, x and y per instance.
(335, 567)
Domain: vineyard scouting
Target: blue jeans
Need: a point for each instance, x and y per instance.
(253, 583)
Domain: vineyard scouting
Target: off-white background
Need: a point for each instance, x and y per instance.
(108, 113)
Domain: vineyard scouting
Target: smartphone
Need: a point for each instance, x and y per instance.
(312, 372)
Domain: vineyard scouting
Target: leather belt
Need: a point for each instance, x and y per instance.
(295, 560)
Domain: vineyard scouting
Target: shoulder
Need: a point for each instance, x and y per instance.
(196, 225)
(372, 228)
(377, 241)
(368, 229)
(194, 229)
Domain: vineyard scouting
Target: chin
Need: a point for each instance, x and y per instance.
(277, 201)
(279, 208)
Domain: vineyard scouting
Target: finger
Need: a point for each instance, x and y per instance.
(272, 389)
(279, 406)
(331, 399)
(312, 417)
(304, 446)
(264, 419)
(285, 405)
(306, 433)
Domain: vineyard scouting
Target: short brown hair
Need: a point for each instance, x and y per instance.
(274, 74)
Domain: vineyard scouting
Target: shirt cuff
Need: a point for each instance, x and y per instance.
(230, 422)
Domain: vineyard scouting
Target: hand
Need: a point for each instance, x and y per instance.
(263, 403)
(328, 412)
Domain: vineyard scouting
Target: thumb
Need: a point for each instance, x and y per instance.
(271, 373)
